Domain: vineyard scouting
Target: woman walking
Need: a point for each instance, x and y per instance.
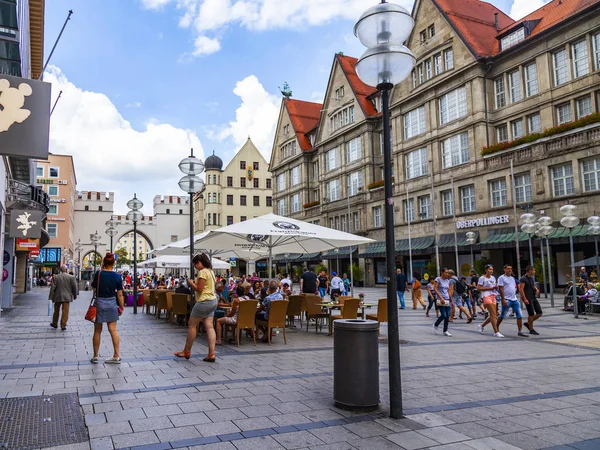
(204, 309)
(488, 286)
(443, 291)
(431, 298)
(109, 306)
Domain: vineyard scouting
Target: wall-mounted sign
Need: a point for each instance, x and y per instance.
(4, 274)
(45, 181)
(58, 200)
(62, 181)
(24, 117)
(6, 257)
(34, 254)
(483, 222)
(27, 245)
(25, 224)
(57, 219)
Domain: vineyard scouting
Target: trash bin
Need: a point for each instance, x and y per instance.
(356, 364)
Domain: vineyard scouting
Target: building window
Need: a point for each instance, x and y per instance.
(333, 190)
(229, 220)
(52, 230)
(295, 176)
(339, 92)
(437, 64)
(355, 182)
(53, 190)
(243, 218)
(467, 198)
(342, 118)
(596, 49)
(428, 69)
(100, 208)
(353, 150)
(591, 174)
(53, 172)
(243, 165)
(242, 200)
(343, 220)
(414, 122)
(421, 74)
(281, 182)
(500, 92)
(417, 163)
(531, 80)
(424, 207)
(255, 165)
(256, 200)
(229, 181)
(243, 182)
(295, 203)
(561, 67)
(580, 58)
(583, 106)
(316, 195)
(447, 203)
(377, 217)
(315, 170)
(448, 59)
(513, 38)
(517, 128)
(53, 210)
(534, 123)
(288, 150)
(523, 188)
(414, 79)
(39, 171)
(455, 150)
(502, 133)
(86, 208)
(332, 160)
(168, 211)
(269, 183)
(563, 182)
(514, 84)
(498, 192)
(563, 113)
(423, 35)
(408, 206)
(453, 105)
(256, 182)
(229, 200)
(431, 30)
(356, 220)
(281, 207)
(269, 201)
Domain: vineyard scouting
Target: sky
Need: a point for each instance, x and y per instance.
(145, 81)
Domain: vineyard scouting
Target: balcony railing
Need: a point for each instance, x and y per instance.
(27, 194)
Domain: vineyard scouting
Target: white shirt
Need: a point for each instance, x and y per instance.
(488, 283)
(510, 287)
(337, 283)
(288, 281)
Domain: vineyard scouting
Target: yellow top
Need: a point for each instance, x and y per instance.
(208, 293)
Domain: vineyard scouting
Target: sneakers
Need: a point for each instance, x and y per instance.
(526, 325)
(532, 331)
(447, 334)
(435, 330)
(470, 319)
(480, 329)
(500, 335)
(522, 334)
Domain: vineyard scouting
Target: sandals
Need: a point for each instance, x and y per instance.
(210, 358)
(185, 355)
(94, 360)
(112, 360)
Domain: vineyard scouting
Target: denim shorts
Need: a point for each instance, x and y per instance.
(516, 307)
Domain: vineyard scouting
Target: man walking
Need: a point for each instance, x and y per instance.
(337, 285)
(528, 293)
(62, 292)
(417, 295)
(400, 286)
(323, 284)
(308, 282)
(508, 291)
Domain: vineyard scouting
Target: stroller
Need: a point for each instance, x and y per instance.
(568, 302)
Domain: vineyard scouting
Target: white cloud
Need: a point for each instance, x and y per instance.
(133, 105)
(317, 96)
(110, 155)
(208, 19)
(520, 8)
(256, 117)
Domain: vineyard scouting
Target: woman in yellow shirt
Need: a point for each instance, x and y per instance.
(204, 309)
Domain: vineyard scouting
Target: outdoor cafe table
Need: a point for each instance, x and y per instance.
(330, 306)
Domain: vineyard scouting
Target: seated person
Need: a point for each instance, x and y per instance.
(248, 290)
(590, 296)
(263, 311)
(221, 300)
(232, 316)
(285, 289)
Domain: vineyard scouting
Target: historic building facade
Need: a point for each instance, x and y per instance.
(486, 92)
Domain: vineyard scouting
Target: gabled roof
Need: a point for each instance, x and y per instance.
(360, 89)
(305, 117)
(474, 22)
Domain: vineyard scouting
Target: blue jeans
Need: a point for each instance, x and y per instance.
(401, 298)
(322, 292)
(444, 315)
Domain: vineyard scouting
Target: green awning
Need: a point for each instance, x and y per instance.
(447, 240)
(374, 250)
(579, 230)
(309, 257)
(338, 252)
(419, 243)
(278, 258)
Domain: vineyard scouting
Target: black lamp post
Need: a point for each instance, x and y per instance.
(78, 246)
(191, 183)
(95, 238)
(135, 215)
(110, 230)
(383, 29)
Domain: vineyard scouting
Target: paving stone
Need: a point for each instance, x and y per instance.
(330, 435)
(135, 439)
(152, 423)
(109, 429)
(94, 419)
(254, 423)
(217, 446)
(107, 407)
(262, 443)
(411, 440)
(491, 443)
(430, 419)
(104, 443)
(551, 435)
(335, 446)
(473, 430)
(127, 414)
(225, 414)
(182, 420)
(197, 406)
(217, 428)
(177, 434)
(297, 440)
(367, 429)
(162, 411)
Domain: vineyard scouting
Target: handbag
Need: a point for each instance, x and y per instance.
(92, 310)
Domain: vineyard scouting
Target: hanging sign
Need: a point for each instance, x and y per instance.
(27, 245)
(26, 224)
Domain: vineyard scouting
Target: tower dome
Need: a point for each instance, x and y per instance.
(213, 162)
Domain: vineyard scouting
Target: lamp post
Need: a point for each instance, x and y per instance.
(382, 29)
(95, 238)
(78, 246)
(529, 227)
(538, 233)
(570, 221)
(546, 230)
(135, 215)
(110, 230)
(594, 229)
(471, 239)
(350, 231)
(191, 183)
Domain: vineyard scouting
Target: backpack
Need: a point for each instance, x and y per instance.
(460, 287)
(416, 284)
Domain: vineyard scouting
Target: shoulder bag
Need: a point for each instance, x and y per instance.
(91, 312)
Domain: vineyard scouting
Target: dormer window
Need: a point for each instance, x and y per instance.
(423, 36)
(339, 92)
(431, 31)
(377, 103)
(513, 38)
(286, 129)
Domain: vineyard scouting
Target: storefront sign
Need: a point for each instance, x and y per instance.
(25, 224)
(58, 200)
(27, 245)
(45, 181)
(482, 222)
(56, 219)
(24, 117)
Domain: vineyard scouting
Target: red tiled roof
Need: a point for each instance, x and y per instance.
(474, 21)
(360, 89)
(304, 116)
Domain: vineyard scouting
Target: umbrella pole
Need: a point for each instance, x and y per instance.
(270, 257)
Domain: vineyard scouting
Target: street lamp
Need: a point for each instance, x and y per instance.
(350, 231)
(382, 29)
(529, 227)
(110, 230)
(78, 246)
(471, 239)
(191, 183)
(594, 229)
(546, 230)
(95, 238)
(570, 221)
(135, 215)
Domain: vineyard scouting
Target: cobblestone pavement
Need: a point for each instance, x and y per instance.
(468, 391)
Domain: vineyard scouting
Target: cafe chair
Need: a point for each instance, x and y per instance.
(180, 307)
(152, 300)
(350, 309)
(246, 318)
(314, 311)
(382, 313)
(277, 314)
(295, 308)
(162, 303)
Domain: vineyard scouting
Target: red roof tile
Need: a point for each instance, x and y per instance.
(360, 89)
(474, 21)
(304, 116)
